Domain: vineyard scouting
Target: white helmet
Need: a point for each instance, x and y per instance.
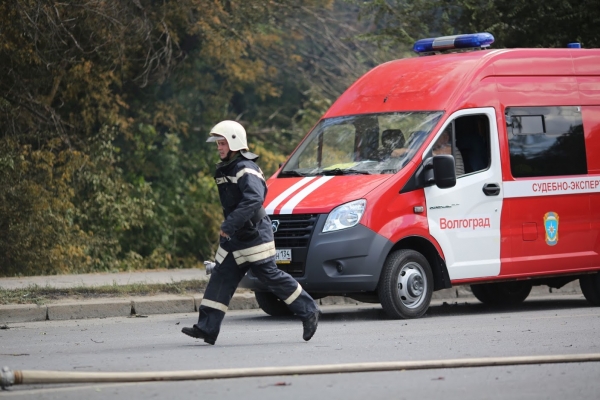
(233, 132)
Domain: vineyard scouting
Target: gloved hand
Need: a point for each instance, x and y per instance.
(209, 267)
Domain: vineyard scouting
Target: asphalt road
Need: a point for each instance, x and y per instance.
(347, 334)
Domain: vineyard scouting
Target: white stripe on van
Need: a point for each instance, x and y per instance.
(288, 208)
(279, 199)
(551, 187)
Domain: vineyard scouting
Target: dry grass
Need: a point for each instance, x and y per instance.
(35, 294)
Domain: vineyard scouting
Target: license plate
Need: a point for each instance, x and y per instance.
(283, 256)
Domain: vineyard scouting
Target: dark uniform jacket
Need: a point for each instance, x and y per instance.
(242, 190)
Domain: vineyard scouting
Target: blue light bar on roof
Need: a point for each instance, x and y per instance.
(470, 40)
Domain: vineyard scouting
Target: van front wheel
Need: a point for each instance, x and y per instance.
(406, 285)
(272, 305)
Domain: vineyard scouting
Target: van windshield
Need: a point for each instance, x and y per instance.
(361, 144)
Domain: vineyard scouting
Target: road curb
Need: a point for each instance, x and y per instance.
(103, 308)
(162, 305)
(22, 313)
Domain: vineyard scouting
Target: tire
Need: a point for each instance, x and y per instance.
(590, 287)
(406, 285)
(272, 304)
(482, 293)
(502, 293)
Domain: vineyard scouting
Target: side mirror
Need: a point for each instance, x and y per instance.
(444, 174)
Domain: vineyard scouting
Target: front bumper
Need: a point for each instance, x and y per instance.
(342, 262)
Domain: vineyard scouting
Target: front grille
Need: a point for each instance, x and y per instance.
(293, 268)
(294, 230)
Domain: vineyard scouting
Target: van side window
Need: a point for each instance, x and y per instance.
(445, 145)
(473, 142)
(546, 141)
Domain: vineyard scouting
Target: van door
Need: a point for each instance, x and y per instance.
(547, 201)
(465, 219)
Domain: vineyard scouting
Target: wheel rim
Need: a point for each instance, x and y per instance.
(412, 283)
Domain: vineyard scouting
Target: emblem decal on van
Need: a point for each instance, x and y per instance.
(551, 226)
(275, 225)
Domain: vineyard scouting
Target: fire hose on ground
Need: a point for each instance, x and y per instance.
(31, 377)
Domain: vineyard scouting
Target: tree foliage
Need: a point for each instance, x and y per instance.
(553, 23)
(549, 23)
(105, 108)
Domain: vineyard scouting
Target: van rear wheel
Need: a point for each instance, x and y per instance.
(272, 304)
(406, 285)
(482, 293)
(590, 287)
(502, 293)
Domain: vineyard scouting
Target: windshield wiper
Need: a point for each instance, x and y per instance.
(292, 172)
(339, 171)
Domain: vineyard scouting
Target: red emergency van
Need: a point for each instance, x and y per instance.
(472, 167)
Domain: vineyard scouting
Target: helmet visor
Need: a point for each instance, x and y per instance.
(214, 138)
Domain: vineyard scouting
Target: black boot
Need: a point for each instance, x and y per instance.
(310, 325)
(198, 334)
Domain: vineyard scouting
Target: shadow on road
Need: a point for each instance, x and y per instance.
(374, 312)
(473, 307)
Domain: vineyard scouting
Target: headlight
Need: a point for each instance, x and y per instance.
(345, 216)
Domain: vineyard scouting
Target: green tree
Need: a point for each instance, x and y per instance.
(548, 23)
(105, 108)
(63, 67)
(552, 23)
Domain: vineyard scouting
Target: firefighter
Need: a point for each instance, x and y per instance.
(246, 239)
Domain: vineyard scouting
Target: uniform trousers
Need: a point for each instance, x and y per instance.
(225, 279)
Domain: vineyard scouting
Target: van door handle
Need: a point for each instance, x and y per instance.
(491, 189)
